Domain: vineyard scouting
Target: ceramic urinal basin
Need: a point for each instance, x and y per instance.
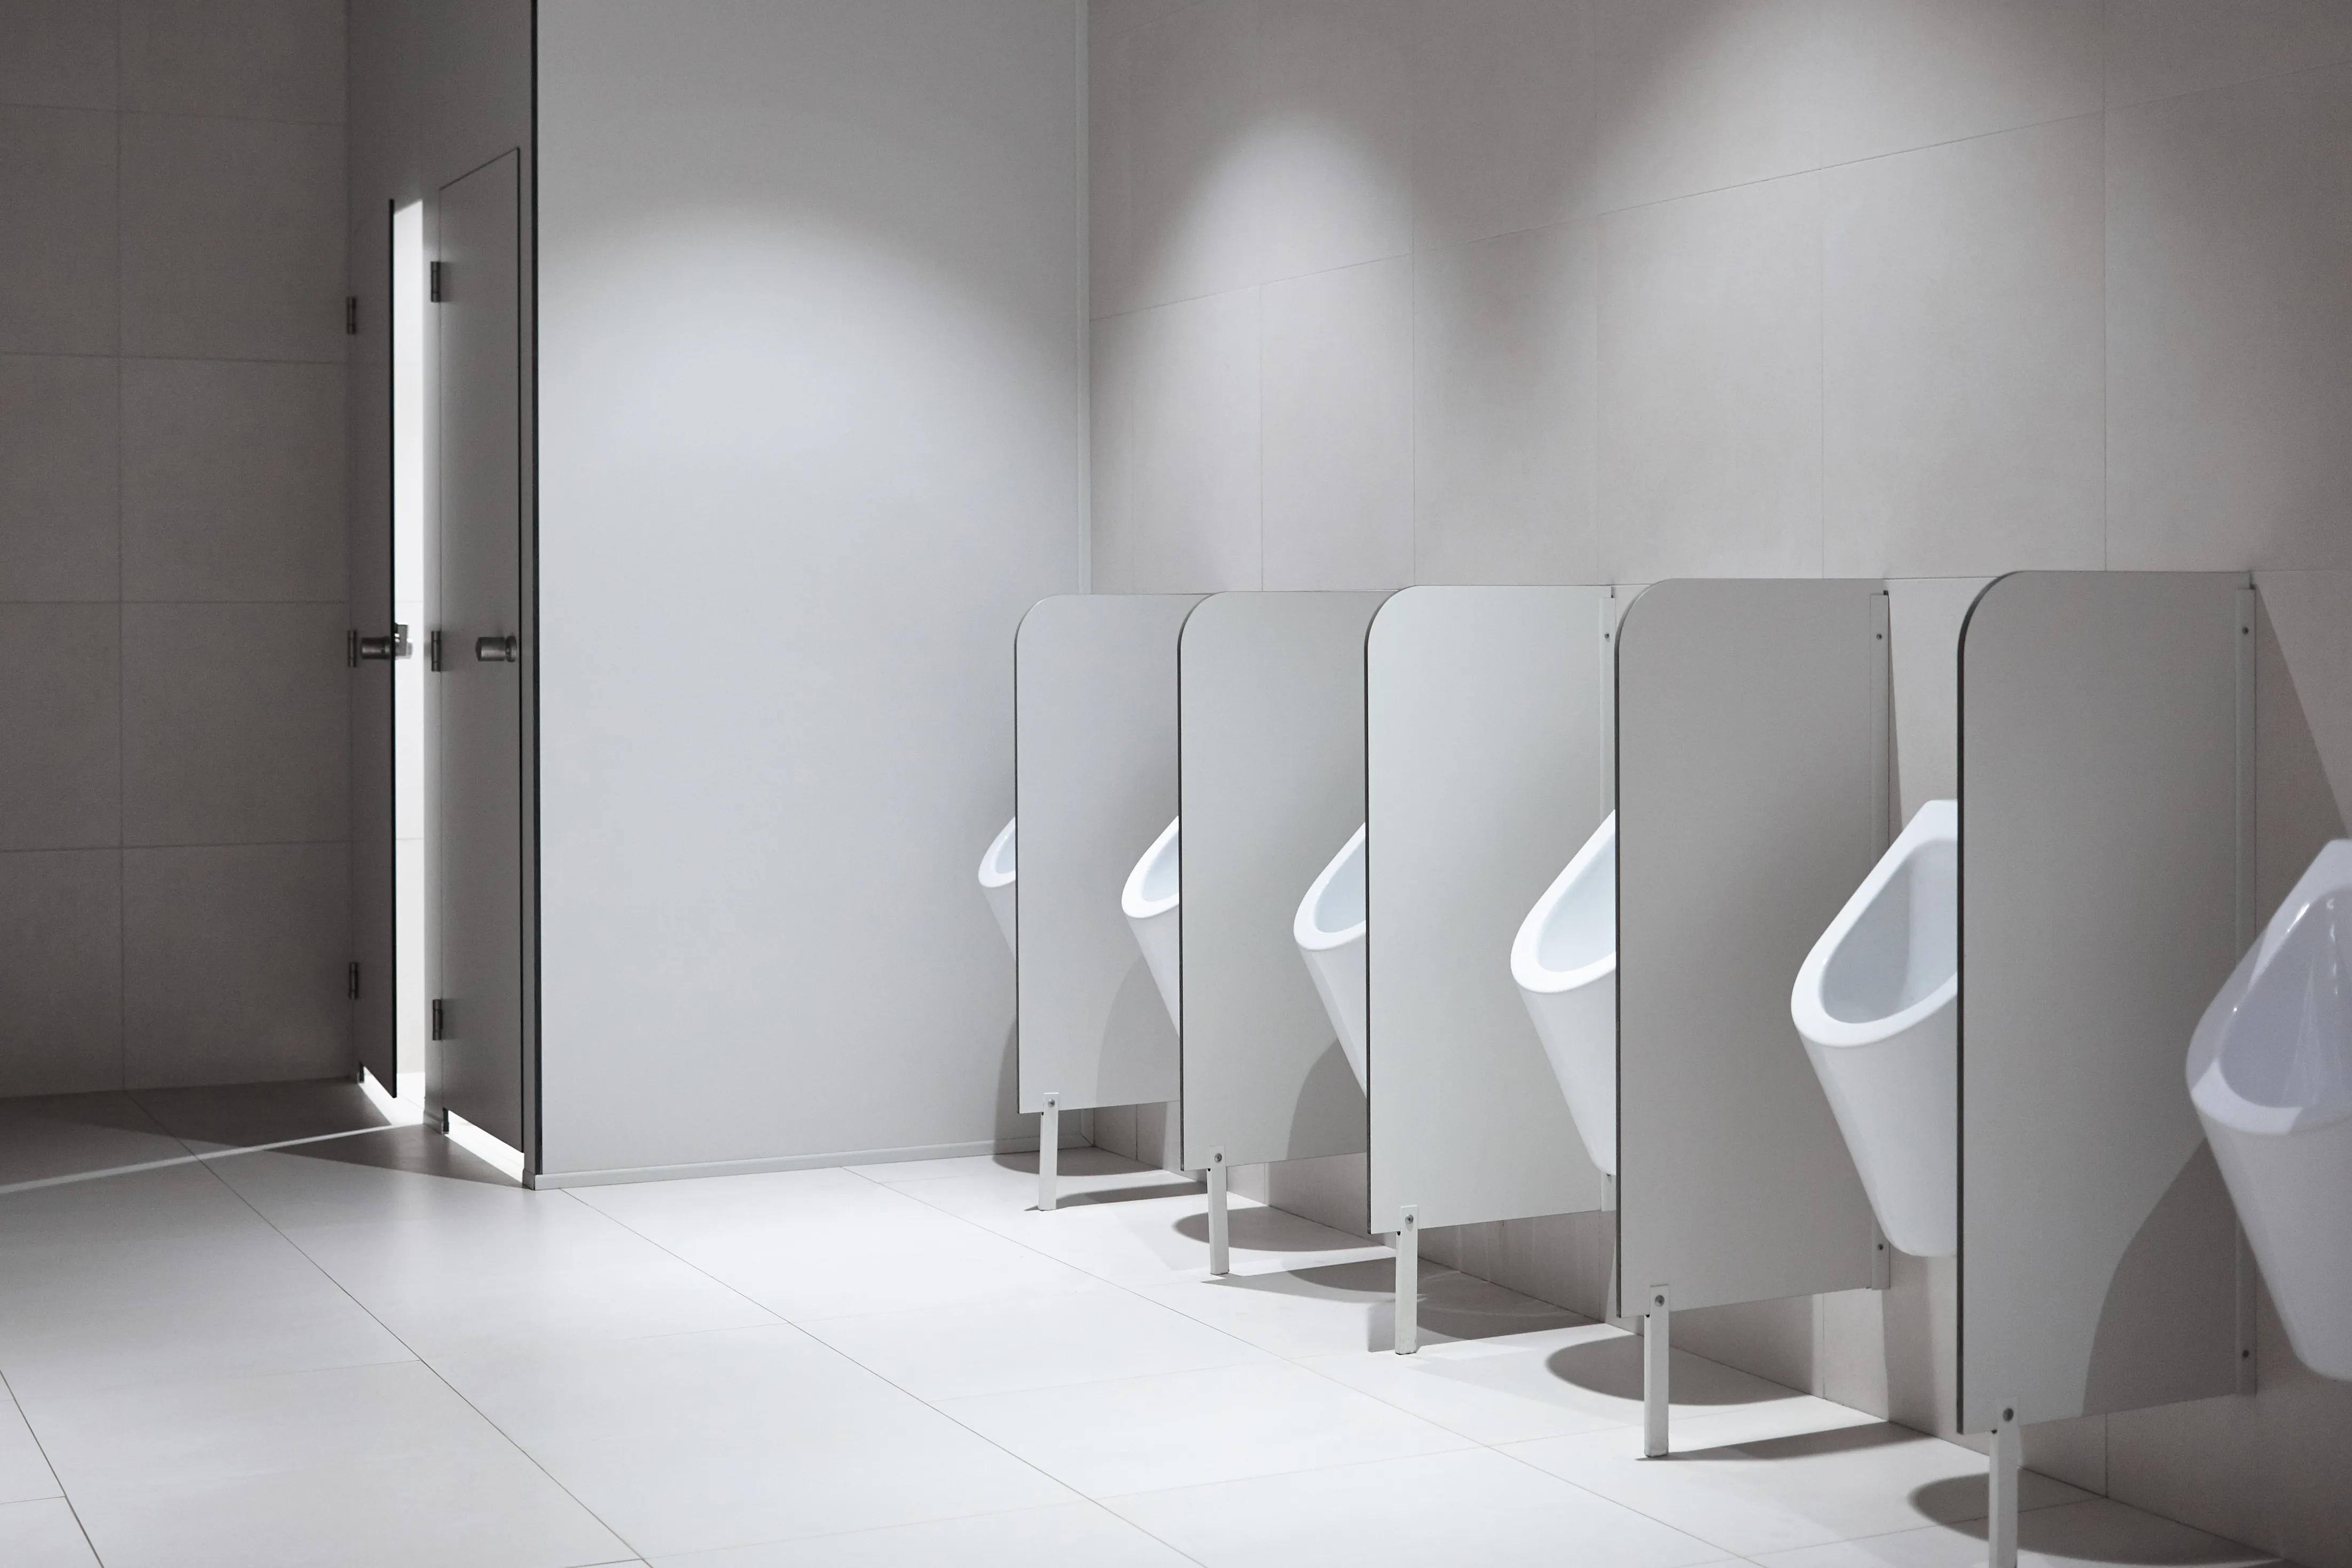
(1877, 1003)
(1149, 902)
(1329, 931)
(2270, 1072)
(1565, 961)
(996, 882)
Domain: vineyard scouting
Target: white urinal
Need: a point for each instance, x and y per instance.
(1565, 961)
(2270, 1072)
(1876, 1002)
(1150, 902)
(996, 882)
(1329, 931)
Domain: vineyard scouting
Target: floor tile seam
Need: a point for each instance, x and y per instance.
(1079, 1498)
(1307, 1363)
(439, 1376)
(7, 1389)
(1731, 1553)
(1136, 1291)
(658, 1245)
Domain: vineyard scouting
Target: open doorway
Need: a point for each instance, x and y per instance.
(404, 1100)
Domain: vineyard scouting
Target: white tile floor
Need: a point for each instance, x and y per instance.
(369, 1349)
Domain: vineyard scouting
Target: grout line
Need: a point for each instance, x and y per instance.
(423, 1361)
(878, 1376)
(44, 1450)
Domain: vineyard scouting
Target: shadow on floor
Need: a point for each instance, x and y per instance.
(47, 1138)
(2085, 1531)
(1614, 1366)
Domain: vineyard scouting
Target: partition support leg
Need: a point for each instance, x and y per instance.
(2000, 1517)
(1221, 1249)
(1408, 1283)
(1655, 1371)
(1049, 1151)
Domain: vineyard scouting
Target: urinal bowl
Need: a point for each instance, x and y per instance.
(2270, 1072)
(1150, 902)
(1876, 1005)
(996, 868)
(1565, 962)
(1329, 931)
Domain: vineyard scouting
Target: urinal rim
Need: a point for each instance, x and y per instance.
(1130, 897)
(989, 875)
(2209, 1088)
(1310, 936)
(1531, 973)
(1936, 821)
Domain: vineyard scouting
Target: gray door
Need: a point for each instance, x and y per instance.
(370, 555)
(477, 822)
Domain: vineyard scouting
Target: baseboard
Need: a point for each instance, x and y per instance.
(626, 1174)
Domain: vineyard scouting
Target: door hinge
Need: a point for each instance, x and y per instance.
(434, 289)
(433, 650)
(352, 647)
(350, 315)
(440, 1019)
(352, 981)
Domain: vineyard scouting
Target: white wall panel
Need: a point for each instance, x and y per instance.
(813, 436)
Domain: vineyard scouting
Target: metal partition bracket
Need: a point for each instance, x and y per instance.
(2001, 1521)
(1407, 1282)
(1888, 811)
(1655, 1371)
(1221, 1253)
(1049, 1151)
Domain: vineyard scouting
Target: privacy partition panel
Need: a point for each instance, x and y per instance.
(2106, 741)
(1094, 783)
(1488, 747)
(1752, 800)
(1273, 726)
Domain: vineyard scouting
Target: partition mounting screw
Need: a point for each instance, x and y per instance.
(2008, 1415)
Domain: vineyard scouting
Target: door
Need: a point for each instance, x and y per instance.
(477, 824)
(370, 648)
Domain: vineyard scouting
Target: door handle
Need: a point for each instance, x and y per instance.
(495, 650)
(396, 646)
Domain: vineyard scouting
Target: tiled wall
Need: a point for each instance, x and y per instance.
(173, 698)
(1394, 291)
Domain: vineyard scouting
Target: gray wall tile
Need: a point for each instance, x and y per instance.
(233, 964)
(1197, 198)
(1964, 357)
(1696, 95)
(233, 481)
(57, 292)
(1711, 385)
(1336, 161)
(1195, 438)
(1505, 409)
(1897, 74)
(1337, 423)
(236, 722)
(61, 712)
(61, 447)
(57, 52)
(2159, 49)
(2230, 327)
(245, 59)
(1504, 117)
(232, 239)
(62, 989)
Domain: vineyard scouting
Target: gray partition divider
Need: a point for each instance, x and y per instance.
(1488, 740)
(1272, 718)
(1094, 783)
(1752, 800)
(2105, 746)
